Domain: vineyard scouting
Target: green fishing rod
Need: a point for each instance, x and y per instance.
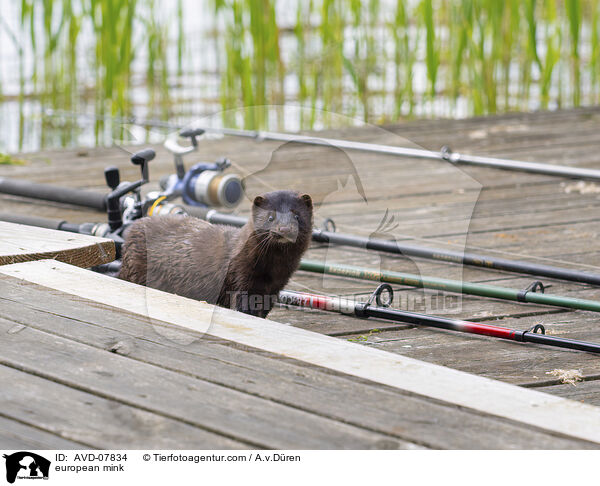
(533, 294)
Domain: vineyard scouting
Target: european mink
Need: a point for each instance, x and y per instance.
(240, 268)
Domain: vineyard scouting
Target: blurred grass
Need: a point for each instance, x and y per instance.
(6, 159)
(489, 55)
(377, 60)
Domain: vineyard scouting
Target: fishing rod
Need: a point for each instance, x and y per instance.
(329, 236)
(382, 310)
(49, 192)
(203, 181)
(158, 205)
(446, 154)
(383, 296)
(203, 185)
(123, 205)
(533, 294)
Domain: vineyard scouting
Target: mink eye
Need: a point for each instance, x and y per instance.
(297, 217)
(271, 218)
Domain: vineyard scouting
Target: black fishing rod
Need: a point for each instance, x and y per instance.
(203, 185)
(123, 205)
(48, 192)
(534, 294)
(445, 154)
(389, 246)
(195, 189)
(162, 205)
(382, 310)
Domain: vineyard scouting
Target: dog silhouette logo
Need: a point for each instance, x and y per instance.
(26, 465)
(311, 163)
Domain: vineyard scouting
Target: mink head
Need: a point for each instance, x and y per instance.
(285, 217)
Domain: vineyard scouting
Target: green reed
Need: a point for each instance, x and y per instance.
(69, 71)
(377, 60)
(573, 10)
(490, 54)
(595, 52)
(403, 58)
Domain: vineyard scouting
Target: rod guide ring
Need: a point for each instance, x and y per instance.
(383, 296)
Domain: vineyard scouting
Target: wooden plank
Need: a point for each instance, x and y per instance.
(542, 119)
(584, 392)
(543, 240)
(519, 363)
(218, 409)
(428, 209)
(18, 436)
(384, 410)
(94, 421)
(492, 397)
(468, 222)
(507, 137)
(491, 202)
(509, 361)
(20, 243)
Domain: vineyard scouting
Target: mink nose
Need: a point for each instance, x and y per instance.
(284, 230)
(287, 232)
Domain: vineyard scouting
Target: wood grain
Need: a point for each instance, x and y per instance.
(20, 243)
(492, 397)
(507, 214)
(271, 377)
(94, 421)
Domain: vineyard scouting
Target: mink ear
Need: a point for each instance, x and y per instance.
(259, 201)
(307, 200)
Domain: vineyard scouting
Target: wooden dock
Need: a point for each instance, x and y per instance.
(89, 370)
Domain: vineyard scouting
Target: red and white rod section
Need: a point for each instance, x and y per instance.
(383, 311)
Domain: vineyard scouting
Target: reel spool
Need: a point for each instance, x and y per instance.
(213, 188)
(205, 183)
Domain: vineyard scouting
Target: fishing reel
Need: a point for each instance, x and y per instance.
(204, 184)
(133, 206)
(124, 203)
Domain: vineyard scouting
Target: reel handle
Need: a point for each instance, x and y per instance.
(112, 177)
(142, 158)
(191, 133)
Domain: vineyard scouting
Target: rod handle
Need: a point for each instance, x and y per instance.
(47, 192)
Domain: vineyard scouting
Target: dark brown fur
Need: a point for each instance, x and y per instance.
(241, 268)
